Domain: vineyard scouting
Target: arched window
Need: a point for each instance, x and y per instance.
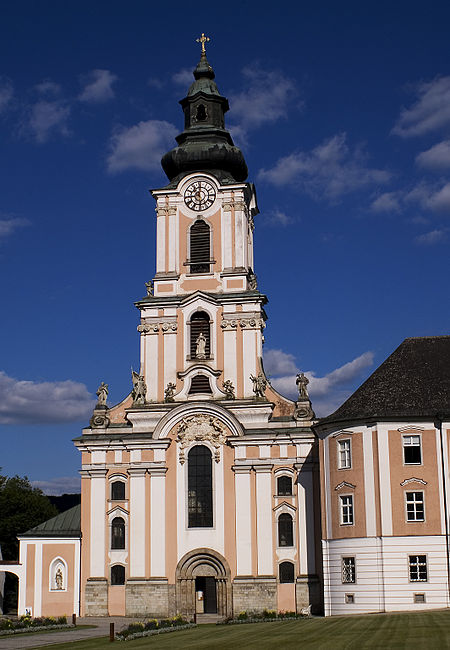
(285, 530)
(200, 247)
(118, 491)
(118, 533)
(200, 501)
(286, 572)
(117, 574)
(284, 486)
(200, 328)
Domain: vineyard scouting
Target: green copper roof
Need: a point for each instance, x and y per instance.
(66, 524)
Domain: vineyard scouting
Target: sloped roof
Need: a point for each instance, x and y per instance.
(414, 382)
(66, 524)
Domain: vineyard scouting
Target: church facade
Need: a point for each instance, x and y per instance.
(205, 491)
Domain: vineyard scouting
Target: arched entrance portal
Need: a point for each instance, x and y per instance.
(203, 573)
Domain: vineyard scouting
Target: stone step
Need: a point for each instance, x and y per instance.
(207, 618)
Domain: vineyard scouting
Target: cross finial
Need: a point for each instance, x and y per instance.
(203, 39)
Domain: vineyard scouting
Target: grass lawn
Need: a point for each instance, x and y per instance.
(430, 630)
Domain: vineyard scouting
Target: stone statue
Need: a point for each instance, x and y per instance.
(229, 389)
(139, 389)
(302, 382)
(102, 394)
(259, 384)
(169, 392)
(252, 281)
(59, 579)
(200, 346)
(149, 287)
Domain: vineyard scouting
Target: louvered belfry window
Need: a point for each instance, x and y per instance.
(200, 324)
(200, 384)
(200, 248)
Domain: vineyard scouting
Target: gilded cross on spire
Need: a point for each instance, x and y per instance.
(203, 39)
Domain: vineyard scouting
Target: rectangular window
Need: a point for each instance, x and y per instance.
(346, 509)
(412, 450)
(418, 568)
(349, 599)
(345, 454)
(348, 570)
(415, 510)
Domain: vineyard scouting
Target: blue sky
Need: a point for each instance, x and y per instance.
(343, 113)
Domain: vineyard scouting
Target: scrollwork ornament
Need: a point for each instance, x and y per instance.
(200, 428)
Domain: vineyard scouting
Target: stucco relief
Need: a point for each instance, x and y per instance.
(154, 327)
(251, 323)
(200, 428)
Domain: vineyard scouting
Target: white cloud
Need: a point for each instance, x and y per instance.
(328, 392)
(10, 224)
(387, 202)
(48, 87)
(433, 237)
(6, 93)
(438, 157)
(47, 118)
(98, 87)
(430, 112)
(30, 402)
(267, 97)
(329, 171)
(58, 486)
(183, 77)
(140, 146)
(278, 218)
(277, 362)
(432, 196)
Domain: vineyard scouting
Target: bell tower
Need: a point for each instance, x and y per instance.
(203, 318)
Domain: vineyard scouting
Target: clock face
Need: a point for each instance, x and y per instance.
(199, 195)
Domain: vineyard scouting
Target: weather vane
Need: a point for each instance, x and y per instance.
(203, 39)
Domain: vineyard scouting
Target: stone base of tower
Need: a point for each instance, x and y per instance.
(96, 597)
(254, 594)
(150, 598)
(308, 592)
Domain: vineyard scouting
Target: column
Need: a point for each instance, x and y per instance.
(137, 528)
(158, 522)
(264, 519)
(243, 521)
(98, 522)
(305, 521)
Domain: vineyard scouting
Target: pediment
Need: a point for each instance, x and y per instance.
(198, 295)
(413, 480)
(287, 507)
(344, 484)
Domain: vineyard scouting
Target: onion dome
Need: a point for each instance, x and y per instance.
(205, 144)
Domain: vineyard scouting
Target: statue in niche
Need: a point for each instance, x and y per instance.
(302, 382)
(149, 288)
(139, 389)
(169, 392)
(102, 394)
(59, 578)
(229, 389)
(200, 346)
(259, 385)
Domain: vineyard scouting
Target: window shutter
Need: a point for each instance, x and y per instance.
(200, 384)
(200, 253)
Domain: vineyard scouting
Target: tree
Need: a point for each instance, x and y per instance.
(21, 507)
